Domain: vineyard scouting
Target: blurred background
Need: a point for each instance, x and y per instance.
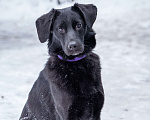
(123, 44)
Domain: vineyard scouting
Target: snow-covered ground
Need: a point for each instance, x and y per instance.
(123, 43)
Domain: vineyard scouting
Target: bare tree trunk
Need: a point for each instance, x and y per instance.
(58, 1)
(70, 0)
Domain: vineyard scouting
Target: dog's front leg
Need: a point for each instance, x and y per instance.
(81, 109)
(86, 107)
(62, 100)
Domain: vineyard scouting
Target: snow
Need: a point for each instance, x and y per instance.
(123, 43)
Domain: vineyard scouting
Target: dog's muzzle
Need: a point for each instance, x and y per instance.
(74, 48)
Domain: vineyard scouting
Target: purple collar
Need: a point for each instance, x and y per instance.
(72, 60)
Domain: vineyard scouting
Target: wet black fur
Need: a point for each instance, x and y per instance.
(67, 90)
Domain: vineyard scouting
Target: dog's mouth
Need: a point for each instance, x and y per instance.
(74, 53)
(73, 56)
(74, 50)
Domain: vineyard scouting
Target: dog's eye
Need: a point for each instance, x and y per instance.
(61, 30)
(78, 26)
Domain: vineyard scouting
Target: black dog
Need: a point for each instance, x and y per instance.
(69, 87)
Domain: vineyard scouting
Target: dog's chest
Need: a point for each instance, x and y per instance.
(71, 87)
(76, 79)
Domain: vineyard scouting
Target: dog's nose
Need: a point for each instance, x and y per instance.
(72, 45)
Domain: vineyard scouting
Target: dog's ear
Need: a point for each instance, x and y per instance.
(89, 12)
(44, 24)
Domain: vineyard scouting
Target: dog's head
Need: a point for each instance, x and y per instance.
(68, 31)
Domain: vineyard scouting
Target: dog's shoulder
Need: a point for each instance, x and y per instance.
(94, 57)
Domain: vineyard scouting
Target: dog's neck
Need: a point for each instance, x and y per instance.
(72, 60)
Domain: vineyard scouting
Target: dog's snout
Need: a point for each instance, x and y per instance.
(73, 45)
